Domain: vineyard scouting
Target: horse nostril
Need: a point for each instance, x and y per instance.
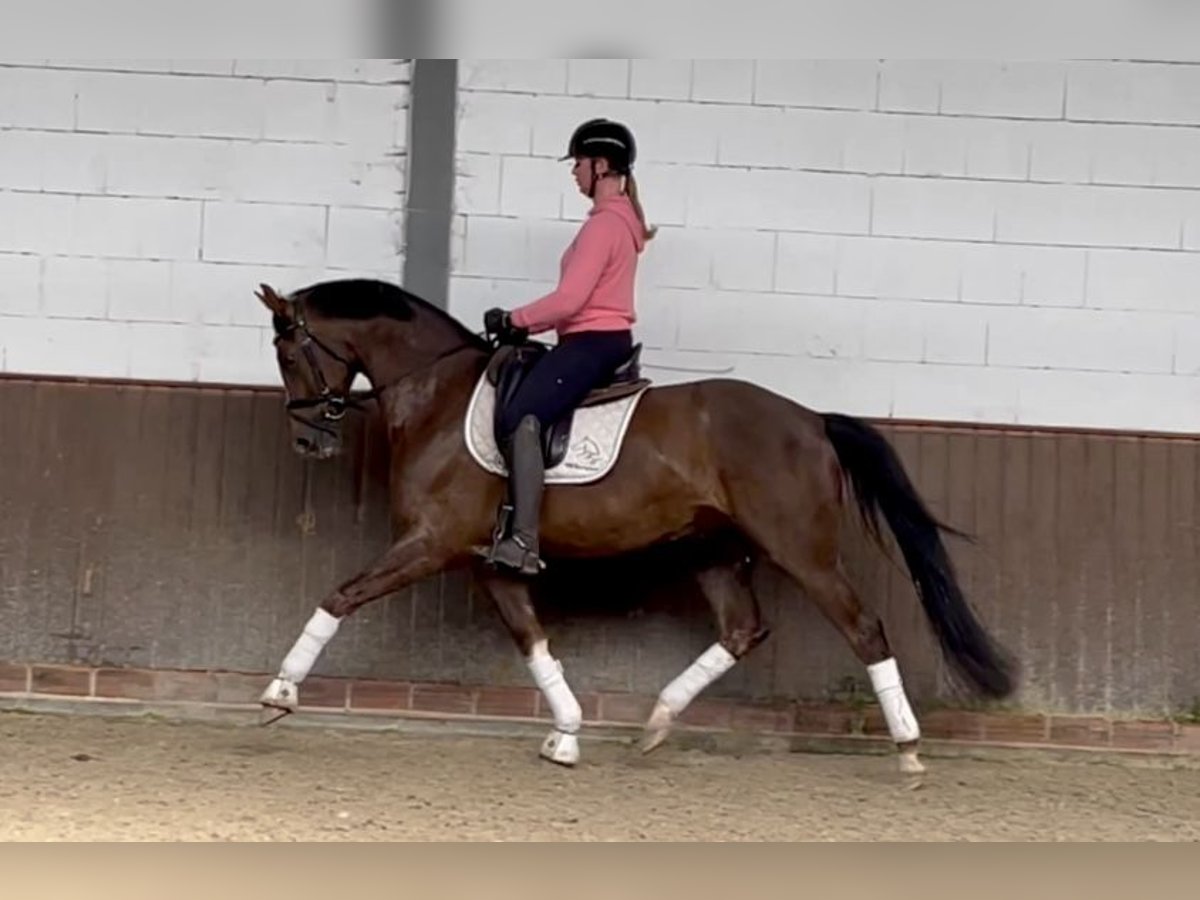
(303, 444)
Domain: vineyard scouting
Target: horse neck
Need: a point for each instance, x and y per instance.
(412, 385)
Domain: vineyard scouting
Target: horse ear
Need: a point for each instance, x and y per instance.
(272, 300)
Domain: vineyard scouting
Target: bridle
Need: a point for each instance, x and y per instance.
(333, 403)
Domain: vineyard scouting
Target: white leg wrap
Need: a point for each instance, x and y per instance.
(708, 667)
(281, 694)
(548, 676)
(320, 628)
(885, 678)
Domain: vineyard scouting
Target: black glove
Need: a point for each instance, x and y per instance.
(497, 321)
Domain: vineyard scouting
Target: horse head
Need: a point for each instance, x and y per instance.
(317, 371)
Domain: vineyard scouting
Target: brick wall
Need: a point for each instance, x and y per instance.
(970, 241)
(142, 201)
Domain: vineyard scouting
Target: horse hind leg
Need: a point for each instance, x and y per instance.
(829, 588)
(728, 589)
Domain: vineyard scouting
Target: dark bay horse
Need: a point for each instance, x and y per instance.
(758, 476)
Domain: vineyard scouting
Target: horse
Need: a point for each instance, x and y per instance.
(755, 475)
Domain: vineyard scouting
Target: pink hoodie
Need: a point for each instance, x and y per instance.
(596, 282)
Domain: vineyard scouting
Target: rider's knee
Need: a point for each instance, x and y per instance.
(511, 424)
(530, 424)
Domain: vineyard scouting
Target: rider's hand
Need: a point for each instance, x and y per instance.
(497, 321)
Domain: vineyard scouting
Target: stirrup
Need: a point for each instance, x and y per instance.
(510, 553)
(507, 550)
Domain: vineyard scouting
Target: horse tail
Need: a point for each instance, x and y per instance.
(880, 484)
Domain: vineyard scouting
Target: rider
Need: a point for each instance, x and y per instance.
(592, 311)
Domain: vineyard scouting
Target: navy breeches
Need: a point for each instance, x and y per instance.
(565, 375)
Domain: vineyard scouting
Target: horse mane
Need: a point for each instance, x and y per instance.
(367, 298)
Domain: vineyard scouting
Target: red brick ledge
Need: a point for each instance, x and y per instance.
(430, 699)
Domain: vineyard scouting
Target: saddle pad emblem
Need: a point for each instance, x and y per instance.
(597, 433)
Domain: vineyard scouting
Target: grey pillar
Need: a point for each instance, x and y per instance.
(430, 179)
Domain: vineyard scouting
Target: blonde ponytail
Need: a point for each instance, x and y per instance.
(631, 189)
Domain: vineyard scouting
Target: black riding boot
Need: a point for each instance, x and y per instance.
(519, 549)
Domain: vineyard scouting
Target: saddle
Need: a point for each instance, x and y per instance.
(511, 363)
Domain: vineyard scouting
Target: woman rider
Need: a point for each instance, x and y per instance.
(592, 311)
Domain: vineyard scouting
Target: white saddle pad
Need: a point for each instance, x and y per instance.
(596, 436)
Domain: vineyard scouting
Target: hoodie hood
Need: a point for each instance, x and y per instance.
(623, 208)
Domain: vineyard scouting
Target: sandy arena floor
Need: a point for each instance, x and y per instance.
(85, 778)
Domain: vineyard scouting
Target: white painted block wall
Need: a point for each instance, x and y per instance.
(958, 241)
(141, 203)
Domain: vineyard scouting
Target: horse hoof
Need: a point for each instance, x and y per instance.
(654, 739)
(279, 699)
(269, 715)
(658, 728)
(561, 748)
(909, 764)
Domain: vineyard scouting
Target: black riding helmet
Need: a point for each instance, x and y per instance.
(604, 139)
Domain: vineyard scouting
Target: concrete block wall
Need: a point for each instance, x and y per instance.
(957, 241)
(1006, 242)
(142, 201)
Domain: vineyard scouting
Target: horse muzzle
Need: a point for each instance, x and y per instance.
(317, 444)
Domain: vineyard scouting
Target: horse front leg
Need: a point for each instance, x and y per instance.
(413, 557)
(512, 598)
